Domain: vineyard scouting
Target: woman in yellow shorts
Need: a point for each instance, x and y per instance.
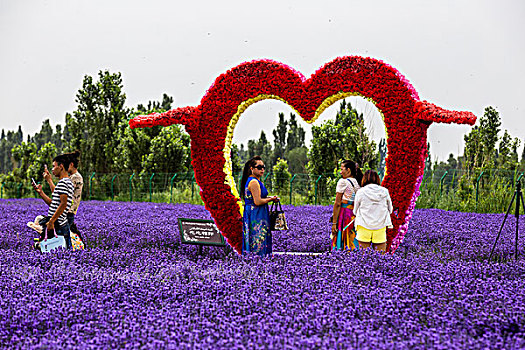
(372, 207)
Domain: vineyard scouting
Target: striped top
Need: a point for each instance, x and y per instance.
(64, 186)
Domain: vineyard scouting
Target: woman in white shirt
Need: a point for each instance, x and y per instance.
(343, 232)
(372, 207)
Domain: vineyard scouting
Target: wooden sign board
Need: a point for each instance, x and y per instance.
(200, 232)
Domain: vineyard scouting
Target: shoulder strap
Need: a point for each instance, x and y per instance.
(351, 183)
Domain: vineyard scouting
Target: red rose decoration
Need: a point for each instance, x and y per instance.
(211, 125)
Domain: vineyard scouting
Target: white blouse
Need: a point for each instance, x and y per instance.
(345, 187)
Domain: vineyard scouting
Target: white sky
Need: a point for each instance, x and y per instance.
(462, 55)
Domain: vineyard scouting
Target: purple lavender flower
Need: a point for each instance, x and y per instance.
(136, 286)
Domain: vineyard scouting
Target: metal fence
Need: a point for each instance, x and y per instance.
(179, 187)
(447, 180)
(297, 189)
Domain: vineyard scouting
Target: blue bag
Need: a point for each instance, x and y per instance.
(52, 243)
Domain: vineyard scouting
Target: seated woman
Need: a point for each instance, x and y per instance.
(257, 237)
(372, 207)
(343, 233)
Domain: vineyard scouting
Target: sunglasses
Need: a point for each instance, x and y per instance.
(260, 167)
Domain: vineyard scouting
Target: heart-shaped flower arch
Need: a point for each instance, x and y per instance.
(212, 123)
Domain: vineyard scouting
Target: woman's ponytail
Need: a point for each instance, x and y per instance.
(354, 170)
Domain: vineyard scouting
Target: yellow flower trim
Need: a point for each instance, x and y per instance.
(230, 181)
(339, 96)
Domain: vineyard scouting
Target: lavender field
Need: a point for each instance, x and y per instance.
(137, 287)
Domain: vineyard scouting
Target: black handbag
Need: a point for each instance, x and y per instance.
(277, 218)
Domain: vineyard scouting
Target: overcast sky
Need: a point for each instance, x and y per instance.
(462, 55)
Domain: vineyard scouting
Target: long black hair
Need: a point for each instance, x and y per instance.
(354, 170)
(247, 172)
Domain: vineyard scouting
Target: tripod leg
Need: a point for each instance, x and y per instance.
(517, 213)
(520, 196)
(522, 202)
(503, 223)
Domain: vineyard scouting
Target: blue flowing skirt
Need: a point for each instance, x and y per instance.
(257, 237)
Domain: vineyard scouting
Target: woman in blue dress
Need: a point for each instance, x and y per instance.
(257, 237)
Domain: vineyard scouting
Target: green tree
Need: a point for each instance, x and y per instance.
(325, 150)
(452, 162)
(514, 158)
(23, 155)
(44, 156)
(504, 150)
(262, 148)
(243, 154)
(296, 134)
(522, 161)
(57, 139)
(296, 152)
(45, 134)
(93, 124)
(19, 136)
(383, 153)
(289, 136)
(480, 142)
(134, 146)
(164, 105)
(5, 161)
(169, 152)
(441, 167)
(281, 176)
(473, 153)
(66, 135)
(490, 127)
(345, 138)
(7, 142)
(297, 159)
(508, 152)
(279, 135)
(237, 165)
